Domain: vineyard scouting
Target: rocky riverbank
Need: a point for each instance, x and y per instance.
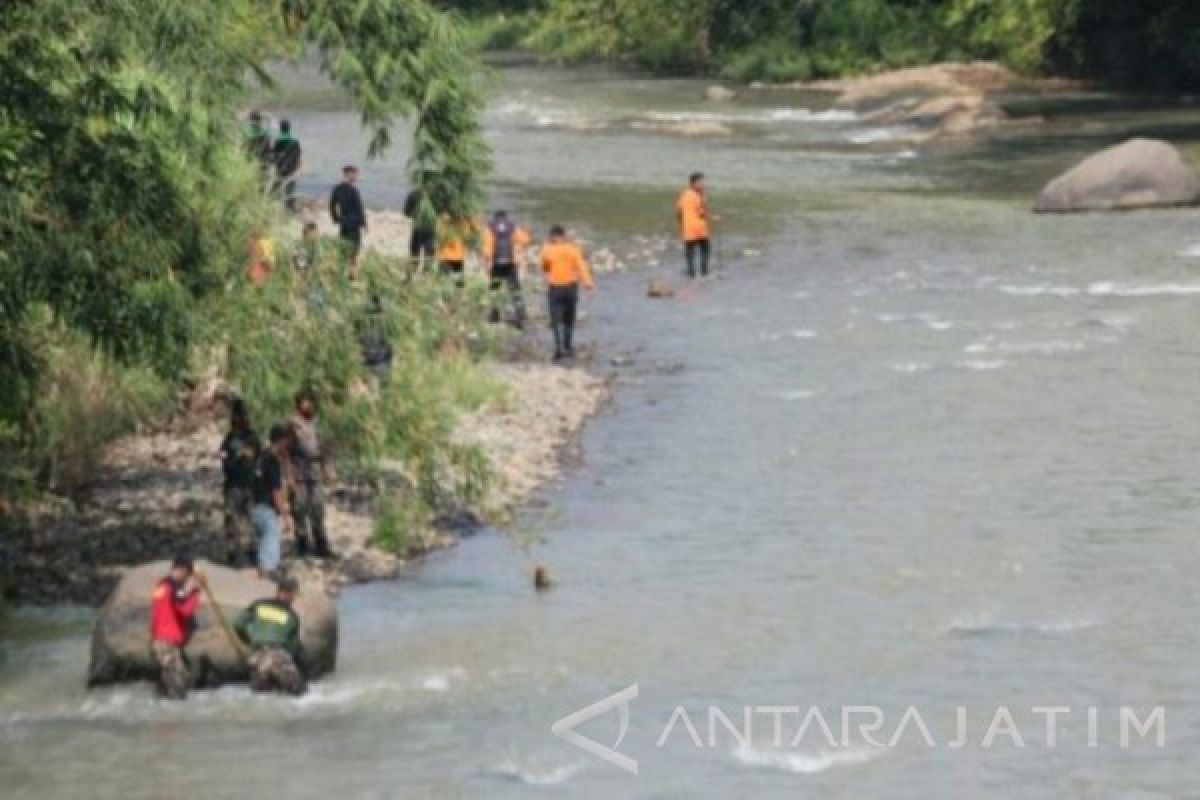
(159, 491)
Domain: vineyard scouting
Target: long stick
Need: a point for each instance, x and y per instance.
(220, 615)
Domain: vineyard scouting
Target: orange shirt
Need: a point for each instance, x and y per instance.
(452, 245)
(693, 215)
(564, 265)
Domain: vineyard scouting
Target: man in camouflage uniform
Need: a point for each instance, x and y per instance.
(272, 630)
(308, 471)
(239, 457)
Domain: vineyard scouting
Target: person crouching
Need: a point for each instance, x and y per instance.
(272, 631)
(173, 605)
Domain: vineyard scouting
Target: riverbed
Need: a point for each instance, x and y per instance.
(910, 447)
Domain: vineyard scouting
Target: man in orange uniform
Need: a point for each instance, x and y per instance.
(565, 269)
(504, 244)
(452, 247)
(692, 211)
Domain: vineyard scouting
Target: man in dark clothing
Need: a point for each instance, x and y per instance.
(422, 242)
(173, 607)
(257, 141)
(308, 470)
(373, 336)
(272, 630)
(504, 246)
(287, 156)
(272, 515)
(346, 208)
(239, 456)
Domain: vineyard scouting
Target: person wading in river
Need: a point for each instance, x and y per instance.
(308, 469)
(691, 210)
(272, 630)
(565, 269)
(173, 605)
(239, 456)
(503, 253)
(348, 213)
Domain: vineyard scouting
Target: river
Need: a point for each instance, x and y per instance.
(912, 447)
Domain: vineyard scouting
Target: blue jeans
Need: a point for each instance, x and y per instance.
(268, 530)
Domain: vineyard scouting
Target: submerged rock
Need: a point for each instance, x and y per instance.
(121, 650)
(1141, 173)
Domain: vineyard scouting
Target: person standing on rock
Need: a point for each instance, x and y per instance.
(272, 516)
(240, 451)
(272, 630)
(286, 154)
(691, 210)
(308, 470)
(173, 605)
(565, 269)
(503, 252)
(348, 213)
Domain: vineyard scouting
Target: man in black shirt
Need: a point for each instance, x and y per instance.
(239, 456)
(423, 240)
(346, 208)
(286, 155)
(272, 516)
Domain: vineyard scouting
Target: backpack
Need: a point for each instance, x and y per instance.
(502, 236)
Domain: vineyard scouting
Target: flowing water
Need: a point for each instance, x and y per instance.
(913, 446)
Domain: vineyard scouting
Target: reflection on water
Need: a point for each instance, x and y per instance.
(924, 449)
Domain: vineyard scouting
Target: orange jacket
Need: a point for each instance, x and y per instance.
(564, 265)
(692, 209)
(452, 239)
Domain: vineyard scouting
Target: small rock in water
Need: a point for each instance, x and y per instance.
(659, 289)
(719, 94)
(542, 581)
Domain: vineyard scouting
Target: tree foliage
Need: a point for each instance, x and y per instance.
(125, 198)
(1152, 43)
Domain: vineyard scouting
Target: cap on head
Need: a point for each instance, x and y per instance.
(280, 433)
(500, 214)
(557, 230)
(350, 168)
(695, 178)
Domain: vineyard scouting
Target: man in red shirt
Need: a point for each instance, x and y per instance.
(172, 618)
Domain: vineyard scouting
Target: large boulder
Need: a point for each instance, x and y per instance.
(1141, 173)
(121, 649)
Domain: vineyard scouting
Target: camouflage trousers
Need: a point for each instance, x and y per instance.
(274, 669)
(174, 677)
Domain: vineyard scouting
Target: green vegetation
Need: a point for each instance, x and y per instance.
(1152, 44)
(126, 206)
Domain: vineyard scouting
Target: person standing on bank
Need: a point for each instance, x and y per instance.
(308, 469)
(272, 516)
(239, 456)
(565, 269)
(287, 156)
(348, 213)
(422, 242)
(173, 607)
(691, 210)
(503, 254)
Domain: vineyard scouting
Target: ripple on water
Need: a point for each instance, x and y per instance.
(536, 774)
(803, 763)
(988, 628)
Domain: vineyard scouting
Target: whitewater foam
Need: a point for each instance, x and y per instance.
(539, 776)
(803, 763)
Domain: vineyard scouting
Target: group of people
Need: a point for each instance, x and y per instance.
(278, 156)
(267, 631)
(275, 489)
